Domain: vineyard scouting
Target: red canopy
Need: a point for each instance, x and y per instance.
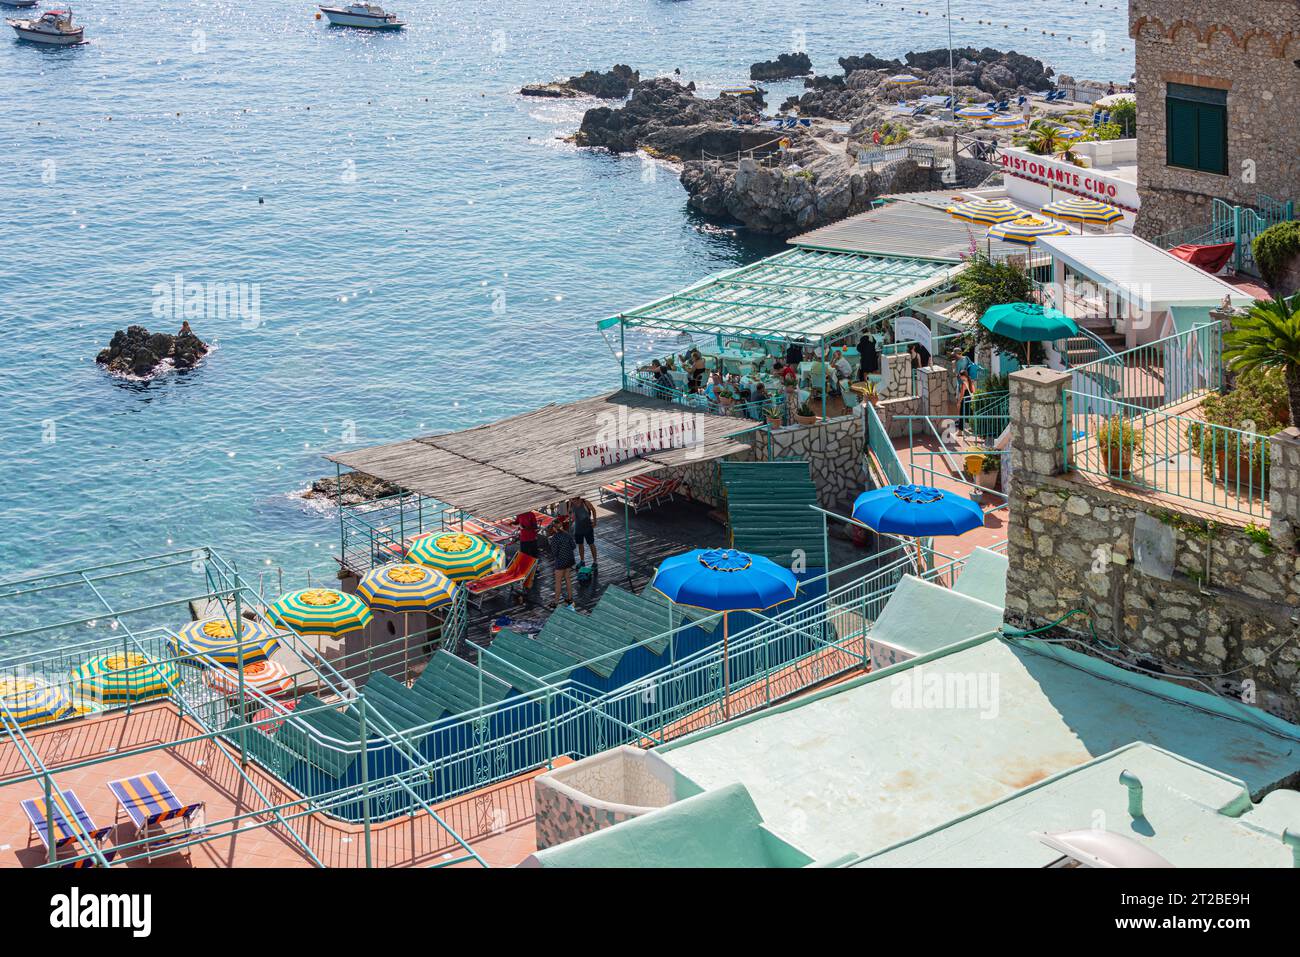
(1210, 258)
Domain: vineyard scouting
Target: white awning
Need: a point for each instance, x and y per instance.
(1142, 274)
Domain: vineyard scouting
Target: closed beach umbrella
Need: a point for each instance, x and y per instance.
(406, 587)
(975, 113)
(1028, 322)
(725, 580)
(320, 611)
(987, 212)
(30, 701)
(917, 511)
(1076, 209)
(903, 79)
(458, 555)
(1026, 231)
(269, 677)
(213, 640)
(128, 676)
(1006, 122)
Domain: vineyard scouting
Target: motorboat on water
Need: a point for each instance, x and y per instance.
(367, 16)
(52, 27)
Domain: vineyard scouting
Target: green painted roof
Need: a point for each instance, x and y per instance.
(1193, 816)
(769, 510)
(642, 618)
(719, 828)
(523, 662)
(342, 726)
(797, 293)
(882, 758)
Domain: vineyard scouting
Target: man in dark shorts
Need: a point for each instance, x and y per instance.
(562, 555)
(527, 522)
(583, 514)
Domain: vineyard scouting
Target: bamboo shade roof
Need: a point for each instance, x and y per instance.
(526, 461)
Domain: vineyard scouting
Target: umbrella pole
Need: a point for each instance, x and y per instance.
(239, 663)
(726, 668)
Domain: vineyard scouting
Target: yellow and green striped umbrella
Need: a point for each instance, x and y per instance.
(213, 639)
(31, 701)
(1026, 231)
(320, 611)
(458, 555)
(1077, 209)
(406, 587)
(987, 212)
(125, 676)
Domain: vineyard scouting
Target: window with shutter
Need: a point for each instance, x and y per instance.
(1196, 128)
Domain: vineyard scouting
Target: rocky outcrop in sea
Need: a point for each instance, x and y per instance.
(784, 67)
(350, 488)
(784, 200)
(613, 84)
(668, 118)
(138, 352)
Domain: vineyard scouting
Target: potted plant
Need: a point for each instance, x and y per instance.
(983, 467)
(725, 398)
(805, 415)
(1119, 442)
(1232, 443)
(869, 392)
(772, 413)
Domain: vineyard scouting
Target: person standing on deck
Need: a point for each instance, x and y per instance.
(562, 553)
(584, 527)
(527, 522)
(868, 357)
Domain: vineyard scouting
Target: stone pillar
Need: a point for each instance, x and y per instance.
(937, 389)
(1284, 486)
(1037, 425)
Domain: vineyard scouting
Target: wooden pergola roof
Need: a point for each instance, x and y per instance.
(525, 462)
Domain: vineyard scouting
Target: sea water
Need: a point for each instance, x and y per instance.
(381, 238)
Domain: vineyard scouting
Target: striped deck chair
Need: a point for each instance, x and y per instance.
(498, 533)
(150, 803)
(636, 493)
(67, 808)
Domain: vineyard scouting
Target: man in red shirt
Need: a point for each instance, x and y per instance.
(527, 523)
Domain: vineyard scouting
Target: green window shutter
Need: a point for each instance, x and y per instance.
(1180, 138)
(1212, 136)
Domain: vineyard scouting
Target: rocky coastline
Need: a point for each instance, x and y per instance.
(780, 181)
(139, 353)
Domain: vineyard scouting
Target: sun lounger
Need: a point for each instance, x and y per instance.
(150, 803)
(518, 573)
(641, 491)
(67, 809)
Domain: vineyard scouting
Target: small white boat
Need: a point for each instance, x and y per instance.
(52, 27)
(367, 16)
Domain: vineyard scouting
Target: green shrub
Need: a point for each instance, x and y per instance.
(1124, 115)
(1275, 248)
(1257, 406)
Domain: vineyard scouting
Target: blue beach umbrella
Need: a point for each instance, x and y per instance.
(725, 580)
(917, 511)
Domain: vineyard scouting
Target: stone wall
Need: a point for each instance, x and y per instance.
(1214, 599)
(1248, 49)
(703, 480)
(833, 448)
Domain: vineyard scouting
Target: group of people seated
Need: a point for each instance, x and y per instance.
(801, 365)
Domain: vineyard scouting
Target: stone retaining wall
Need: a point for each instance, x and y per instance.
(834, 450)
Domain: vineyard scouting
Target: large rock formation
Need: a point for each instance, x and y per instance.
(786, 200)
(136, 351)
(784, 67)
(668, 118)
(613, 84)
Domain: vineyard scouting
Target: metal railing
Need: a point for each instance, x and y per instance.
(645, 385)
(882, 447)
(1178, 455)
(1161, 373)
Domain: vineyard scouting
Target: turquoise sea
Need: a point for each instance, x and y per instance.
(422, 249)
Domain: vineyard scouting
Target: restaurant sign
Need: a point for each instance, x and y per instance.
(1075, 180)
(659, 433)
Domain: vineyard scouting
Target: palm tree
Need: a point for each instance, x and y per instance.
(1268, 337)
(1043, 139)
